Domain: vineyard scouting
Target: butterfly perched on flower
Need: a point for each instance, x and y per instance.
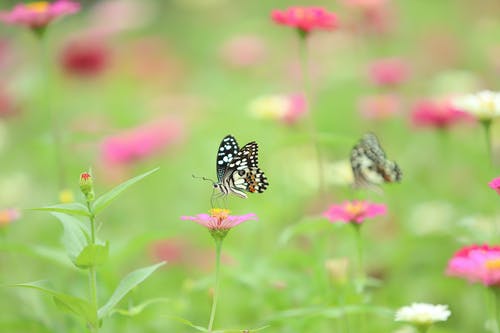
(238, 170)
(369, 164)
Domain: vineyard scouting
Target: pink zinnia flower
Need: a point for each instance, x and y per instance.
(7, 216)
(379, 107)
(37, 15)
(495, 184)
(477, 263)
(86, 57)
(440, 114)
(141, 142)
(354, 211)
(306, 19)
(388, 72)
(219, 219)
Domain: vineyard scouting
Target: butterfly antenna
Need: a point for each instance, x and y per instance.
(204, 178)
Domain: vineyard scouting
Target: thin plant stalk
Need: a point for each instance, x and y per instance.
(487, 131)
(304, 59)
(218, 247)
(51, 113)
(92, 271)
(359, 253)
(495, 316)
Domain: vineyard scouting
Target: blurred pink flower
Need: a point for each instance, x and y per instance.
(243, 51)
(495, 184)
(476, 263)
(37, 15)
(219, 219)
(354, 211)
(380, 106)
(141, 142)
(85, 57)
(9, 215)
(306, 19)
(438, 114)
(364, 4)
(388, 72)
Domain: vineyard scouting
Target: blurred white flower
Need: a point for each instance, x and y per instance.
(423, 314)
(484, 105)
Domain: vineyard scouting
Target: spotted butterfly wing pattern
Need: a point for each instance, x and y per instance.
(239, 173)
(370, 165)
(228, 149)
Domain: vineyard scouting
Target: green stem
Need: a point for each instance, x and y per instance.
(310, 119)
(359, 252)
(487, 131)
(92, 272)
(423, 328)
(218, 247)
(494, 308)
(51, 112)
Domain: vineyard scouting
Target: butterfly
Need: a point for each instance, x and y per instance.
(370, 165)
(238, 170)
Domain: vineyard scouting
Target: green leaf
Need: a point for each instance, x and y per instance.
(69, 303)
(247, 330)
(135, 310)
(104, 200)
(188, 323)
(75, 237)
(74, 208)
(92, 255)
(126, 284)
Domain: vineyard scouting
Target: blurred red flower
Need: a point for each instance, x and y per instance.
(141, 142)
(388, 72)
(438, 114)
(306, 19)
(37, 15)
(476, 263)
(86, 57)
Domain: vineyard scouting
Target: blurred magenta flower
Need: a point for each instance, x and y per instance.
(388, 72)
(85, 57)
(379, 107)
(437, 114)
(243, 51)
(38, 14)
(219, 219)
(476, 263)
(141, 142)
(375, 16)
(285, 108)
(495, 184)
(9, 215)
(354, 211)
(306, 19)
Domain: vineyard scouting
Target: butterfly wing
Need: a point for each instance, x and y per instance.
(243, 171)
(370, 165)
(228, 150)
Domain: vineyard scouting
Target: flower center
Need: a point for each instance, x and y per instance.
(220, 214)
(38, 7)
(355, 208)
(492, 264)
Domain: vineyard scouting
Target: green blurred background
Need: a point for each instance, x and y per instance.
(171, 63)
